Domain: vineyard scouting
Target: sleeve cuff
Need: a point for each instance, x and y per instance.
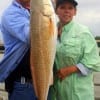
(84, 70)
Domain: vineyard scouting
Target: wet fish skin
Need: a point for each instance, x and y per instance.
(43, 45)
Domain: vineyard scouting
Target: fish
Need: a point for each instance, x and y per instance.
(43, 39)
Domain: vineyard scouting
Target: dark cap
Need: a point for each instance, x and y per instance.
(59, 2)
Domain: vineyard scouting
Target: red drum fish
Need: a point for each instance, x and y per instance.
(43, 36)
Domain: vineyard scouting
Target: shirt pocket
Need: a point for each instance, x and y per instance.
(72, 46)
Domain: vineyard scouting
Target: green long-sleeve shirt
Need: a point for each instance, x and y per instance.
(76, 45)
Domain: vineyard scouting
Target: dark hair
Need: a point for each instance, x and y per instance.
(60, 2)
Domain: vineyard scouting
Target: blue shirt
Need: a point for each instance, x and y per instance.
(15, 30)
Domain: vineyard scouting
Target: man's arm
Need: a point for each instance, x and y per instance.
(17, 25)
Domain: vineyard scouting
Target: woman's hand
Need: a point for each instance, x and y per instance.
(65, 71)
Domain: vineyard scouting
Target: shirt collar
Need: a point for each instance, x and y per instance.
(19, 5)
(68, 26)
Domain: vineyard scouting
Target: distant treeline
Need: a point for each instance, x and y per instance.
(97, 38)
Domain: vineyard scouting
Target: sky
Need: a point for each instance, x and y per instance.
(88, 13)
(3, 5)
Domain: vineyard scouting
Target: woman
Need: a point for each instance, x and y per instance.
(76, 58)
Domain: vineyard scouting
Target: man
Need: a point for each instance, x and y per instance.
(15, 66)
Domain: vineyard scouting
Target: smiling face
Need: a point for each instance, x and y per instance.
(65, 12)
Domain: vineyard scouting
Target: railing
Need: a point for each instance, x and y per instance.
(1, 48)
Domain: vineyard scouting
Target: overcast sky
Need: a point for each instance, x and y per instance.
(88, 13)
(3, 5)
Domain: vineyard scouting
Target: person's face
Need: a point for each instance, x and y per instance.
(25, 1)
(66, 12)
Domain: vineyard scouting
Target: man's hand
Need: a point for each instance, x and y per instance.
(65, 71)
